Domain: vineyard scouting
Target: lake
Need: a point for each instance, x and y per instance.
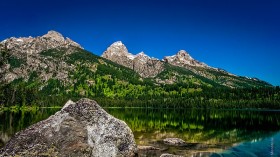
(207, 132)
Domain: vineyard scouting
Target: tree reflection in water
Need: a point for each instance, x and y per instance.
(208, 130)
(205, 130)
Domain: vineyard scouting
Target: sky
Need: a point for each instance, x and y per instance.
(240, 36)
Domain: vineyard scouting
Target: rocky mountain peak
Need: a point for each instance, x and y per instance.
(141, 63)
(33, 45)
(182, 54)
(142, 57)
(30, 49)
(118, 43)
(142, 54)
(117, 49)
(183, 59)
(54, 36)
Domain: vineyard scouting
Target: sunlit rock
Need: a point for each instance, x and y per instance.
(174, 142)
(169, 155)
(31, 54)
(79, 129)
(144, 65)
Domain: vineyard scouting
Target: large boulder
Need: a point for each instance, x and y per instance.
(78, 129)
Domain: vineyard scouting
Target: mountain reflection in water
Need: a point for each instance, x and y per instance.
(207, 131)
(222, 132)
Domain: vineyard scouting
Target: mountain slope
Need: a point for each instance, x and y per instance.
(152, 68)
(58, 69)
(222, 77)
(30, 55)
(59, 66)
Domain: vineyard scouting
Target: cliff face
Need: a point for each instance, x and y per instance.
(28, 54)
(183, 59)
(146, 66)
(25, 46)
(141, 63)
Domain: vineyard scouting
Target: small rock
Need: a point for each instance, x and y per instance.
(174, 142)
(148, 151)
(147, 148)
(170, 155)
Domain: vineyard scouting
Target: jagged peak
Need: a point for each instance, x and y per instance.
(116, 49)
(118, 46)
(117, 43)
(184, 54)
(183, 58)
(52, 32)
(142, 57)
(142, 54)
(15, 39)
(50, 40)
(54, 35)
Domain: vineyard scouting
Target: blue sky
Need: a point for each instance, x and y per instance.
(240, 36)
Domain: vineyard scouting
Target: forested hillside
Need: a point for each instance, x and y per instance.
(111, 84)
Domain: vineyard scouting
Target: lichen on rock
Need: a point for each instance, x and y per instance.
(78, 129)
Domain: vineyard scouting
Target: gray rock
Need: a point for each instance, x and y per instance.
(79, 129)
(147, 148)
(32, 45)
(149, 151)
(183, 59)
(170, 155)
(141, 63)
(174, 142)
(28, 52)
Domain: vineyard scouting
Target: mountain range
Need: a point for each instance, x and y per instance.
(53, 56)
(148, 67)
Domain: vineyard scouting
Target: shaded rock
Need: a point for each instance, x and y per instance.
(79, 129)
(170, 155)
(174, 142)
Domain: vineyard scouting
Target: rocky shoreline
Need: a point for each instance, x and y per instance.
(80, 128)
(83, 128)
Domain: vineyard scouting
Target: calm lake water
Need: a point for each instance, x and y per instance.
(207, 132)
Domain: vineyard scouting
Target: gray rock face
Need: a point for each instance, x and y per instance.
(118, 53)
(146, 66)
(141, 63)
(31, 45)
(79, 129)
(32, 54)
(183, 59)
